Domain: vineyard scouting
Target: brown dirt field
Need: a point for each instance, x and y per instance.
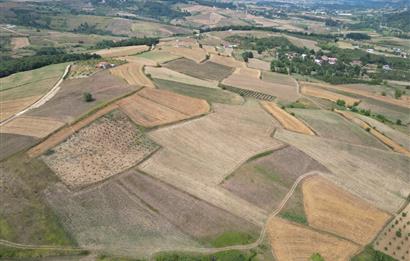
(311, 90)
(288, 121)
(377, 176)
(332, 209)
(152, 107)
(264, 181)
(227, 61)
(107, 147)
(9, 108)
(291, 241)
(399, 102)
(258, 64)
(19, 42)
(66, 132)
(207, 70)
(133, 73)
(198, 154)
(386, 140)
(245, 79)
(38, 127)
(388, 240)
(122, 51)
(68, 104)
(138, 60)
(193, 53)
(12, 143)
(209, 19)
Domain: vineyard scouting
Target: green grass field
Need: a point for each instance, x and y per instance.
(230, 238)
(209, 94)
(369, 254)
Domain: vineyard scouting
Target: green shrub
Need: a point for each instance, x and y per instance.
(88, 97)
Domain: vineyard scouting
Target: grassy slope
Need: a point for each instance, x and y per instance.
(369, 254)
(211, 95)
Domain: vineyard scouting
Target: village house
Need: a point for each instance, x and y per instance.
(104, 65)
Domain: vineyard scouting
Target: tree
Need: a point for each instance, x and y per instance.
(87, 97)
(340, 102)
(316, 257)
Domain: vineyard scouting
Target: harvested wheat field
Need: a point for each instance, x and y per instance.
(152, 107)
(113, 219)
(294, 242)
(158, 56)
(133, 73)
(193, 52)
(371, 129)
(394, 239)
(122, 51)
(310, 90)
(378, 176)
(19, 42)
(258, 64)
(279, 78)
(247, 80)
(207, 70)
(170, 75)
(288, 121)
(387, 99)
(265, 180)
(198, 154)
(38, 127)
(11, 107)
(107, 147)
(227, 61)
(332, 209)
(328, 124)
(138, 60)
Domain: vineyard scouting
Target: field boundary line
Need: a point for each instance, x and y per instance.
(45, 98)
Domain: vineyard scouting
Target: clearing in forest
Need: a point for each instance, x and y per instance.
(19, 42)
(288, 121)
(38, 127)
(133, 73)
(291, 241)
(332, 209)
(108, 146)
(153, 107)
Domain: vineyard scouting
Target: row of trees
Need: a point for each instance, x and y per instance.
(128, 42)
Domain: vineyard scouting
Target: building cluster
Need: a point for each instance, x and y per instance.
(325, 59)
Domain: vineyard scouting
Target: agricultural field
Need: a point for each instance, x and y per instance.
(318, 92)
(159, 56)
(37, 127)
(212, 95)
(207, 70)
(107, 147)
(291, 241)
(13, 143)
(331, 209)
(167, 74)
(191, 52)
(19, 42)
(68, 104)
(394, 238)
(227, 61)
(377, 176)
(133, 74)
(288, 121)
(330, 125)
(248, 81)
(265, 180)
(153, 107)
(122, 51)
(258, 64)
(20, 90)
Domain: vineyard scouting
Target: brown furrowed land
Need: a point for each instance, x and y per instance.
(19, 42)
(331, 209)
(122, 51)
(207, 70)
(38, 127)
(197, 155)
(152, 107)
(107, 147)
(311, 90)
(291, 241)
(288, 121)
(378, 176)
(265, 180)
(133, 73)
(394, 238)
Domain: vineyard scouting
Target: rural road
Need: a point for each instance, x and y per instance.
(43, 99)
(202, 250)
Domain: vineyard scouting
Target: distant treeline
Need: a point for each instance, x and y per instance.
(269, 29)
(358, 36)
(8, 67)
(128, 42)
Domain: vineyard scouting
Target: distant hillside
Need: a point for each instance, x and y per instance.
(399, 20)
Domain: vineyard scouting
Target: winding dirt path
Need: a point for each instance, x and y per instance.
(202, 250)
